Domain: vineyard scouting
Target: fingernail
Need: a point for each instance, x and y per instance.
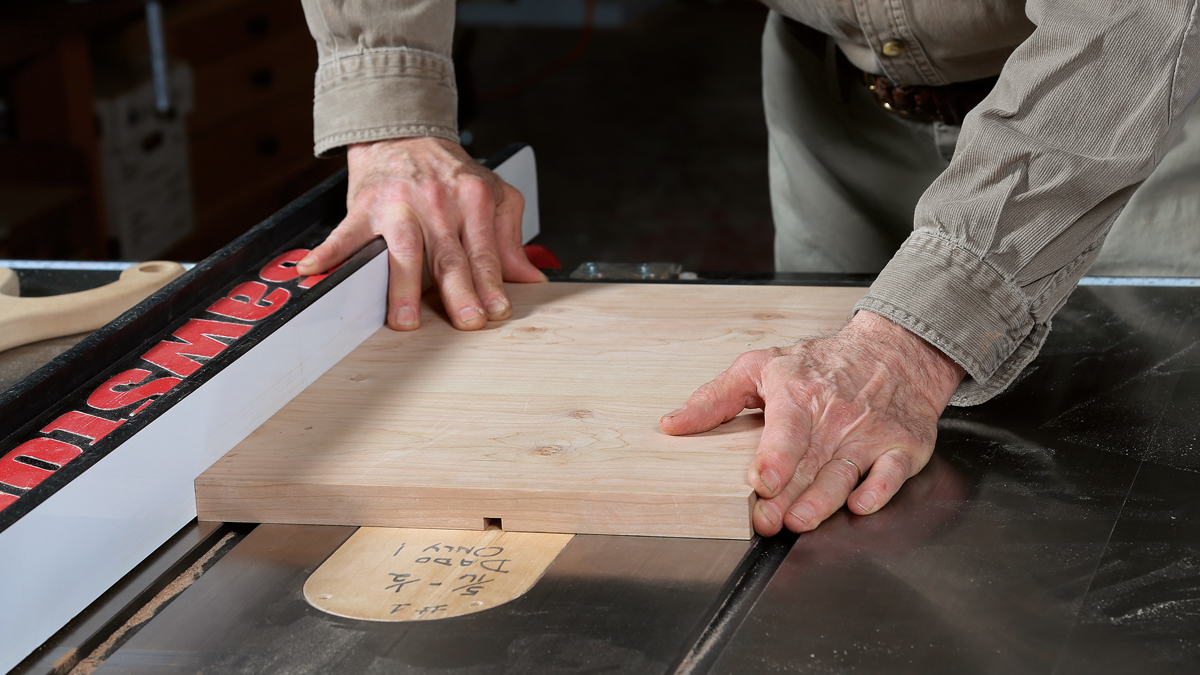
(406, 317)
(497, 307)
(469, 314)
(867, 502)
(770, 480)
(804, 513)
(677, 411)
(769, 511)
(308, 260)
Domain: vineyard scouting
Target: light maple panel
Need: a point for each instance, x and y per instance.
(547, 421)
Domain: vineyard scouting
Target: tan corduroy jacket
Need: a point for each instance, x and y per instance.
(1091, 94)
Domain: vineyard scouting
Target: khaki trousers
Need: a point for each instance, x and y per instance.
(845, 175)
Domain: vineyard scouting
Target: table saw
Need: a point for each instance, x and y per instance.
(1054, 531)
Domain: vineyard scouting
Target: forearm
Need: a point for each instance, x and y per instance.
(384, 71)
(1083, 112)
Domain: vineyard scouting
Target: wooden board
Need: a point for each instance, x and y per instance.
(547, 422)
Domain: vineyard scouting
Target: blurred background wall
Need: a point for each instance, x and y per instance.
(646, 117)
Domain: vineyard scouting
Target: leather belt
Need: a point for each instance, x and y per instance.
(948, 103)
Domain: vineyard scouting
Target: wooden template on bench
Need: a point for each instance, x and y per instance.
(547, 421)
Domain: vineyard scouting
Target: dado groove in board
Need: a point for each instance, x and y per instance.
(547, 421)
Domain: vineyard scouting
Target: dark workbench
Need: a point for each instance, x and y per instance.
(1057, 530)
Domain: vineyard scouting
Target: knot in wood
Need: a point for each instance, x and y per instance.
(548, 450)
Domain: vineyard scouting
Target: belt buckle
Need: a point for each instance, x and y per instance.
(872, 81)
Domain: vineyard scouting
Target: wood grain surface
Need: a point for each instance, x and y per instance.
(547, 421)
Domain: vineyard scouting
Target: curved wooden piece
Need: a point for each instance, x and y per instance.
(25, 320)
(402, 574)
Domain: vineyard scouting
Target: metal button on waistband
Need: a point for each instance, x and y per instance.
(893, 48)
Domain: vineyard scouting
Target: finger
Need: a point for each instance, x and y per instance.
(350, 235)
(720, 400)
(405, 254)
(786, 438)
(479, 243)
(451, 273)
(827, 494)
(767, 517)
(514, 263)
(883, 481)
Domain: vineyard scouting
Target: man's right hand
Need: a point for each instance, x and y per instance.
(847, 419)
(432, 203)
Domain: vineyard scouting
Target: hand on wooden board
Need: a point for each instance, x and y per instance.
(861, 405)
(432, 204)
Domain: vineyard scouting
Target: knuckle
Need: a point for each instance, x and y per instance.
(482, 250)
(513, 195)
(911, 463)
(402, 243)
(433, 191)
(742, 364)
(777, 359)
(404, 216)
(401, 252)
(338, 238)
(749, 363)
(707, 392)
(747, 358)
(788, 424)
(892, 469)
(807, 469)
(487, 267)
(903, 463)
(476, 188)
(446, 262)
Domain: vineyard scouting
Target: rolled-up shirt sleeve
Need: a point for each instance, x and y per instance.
(384, 71)
(1083, 112)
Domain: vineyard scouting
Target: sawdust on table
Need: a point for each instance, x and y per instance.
(149, 610)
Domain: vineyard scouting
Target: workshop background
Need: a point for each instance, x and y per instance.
(646, 116)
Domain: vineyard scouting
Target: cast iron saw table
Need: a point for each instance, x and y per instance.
(1057, 530)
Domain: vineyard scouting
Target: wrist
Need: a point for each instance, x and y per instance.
(422, 148)
(910, 353)
(403, 142)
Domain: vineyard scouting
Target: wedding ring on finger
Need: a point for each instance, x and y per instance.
(857, 471)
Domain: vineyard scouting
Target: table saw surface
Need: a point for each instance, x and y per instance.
(1055, 531)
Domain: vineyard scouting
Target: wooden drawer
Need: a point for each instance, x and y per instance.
(252, 77)
(202, 31)
(251, 150)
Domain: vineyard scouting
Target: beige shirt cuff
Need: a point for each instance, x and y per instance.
(962, 306)
(383, 93)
